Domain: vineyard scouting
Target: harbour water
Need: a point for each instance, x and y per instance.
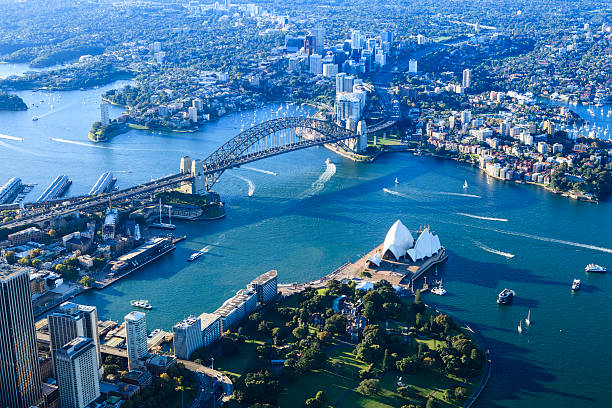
(305, 217)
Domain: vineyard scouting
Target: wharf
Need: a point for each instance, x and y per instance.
(108, 279)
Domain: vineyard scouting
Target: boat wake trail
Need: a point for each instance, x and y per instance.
(7, 137)
(74, 142)
(250, 183)
(261, 171)
(18, 149)
(395, 193)
(557, 241)
(493, 251)
(483, 218)
(319, 184)
(44, 115)
(458, 194)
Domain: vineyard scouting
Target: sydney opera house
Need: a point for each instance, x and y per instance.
(400, 246)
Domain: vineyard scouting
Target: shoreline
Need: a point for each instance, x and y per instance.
(569, 194)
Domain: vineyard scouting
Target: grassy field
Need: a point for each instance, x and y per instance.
(234, 366)
(341, 376)
(420, 386)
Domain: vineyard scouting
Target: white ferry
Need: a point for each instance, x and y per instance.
(198, 254)
(143, 304)
(595, 268)
(505, 296)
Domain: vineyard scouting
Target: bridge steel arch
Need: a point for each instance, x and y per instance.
(258, 142)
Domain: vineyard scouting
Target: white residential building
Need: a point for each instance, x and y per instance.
(77, 374)
(136, 338)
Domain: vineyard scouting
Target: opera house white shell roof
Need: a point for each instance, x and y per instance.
(398, 240)
(426, 245)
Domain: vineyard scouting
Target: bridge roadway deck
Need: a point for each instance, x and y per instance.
(91, 202)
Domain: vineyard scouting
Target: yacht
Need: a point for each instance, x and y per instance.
(595, 268)
(528, 319)
(143, 304)
(396, 182)
(576, 284)
(505, 296)
(520, 327)
(465, 185)
(438, 290)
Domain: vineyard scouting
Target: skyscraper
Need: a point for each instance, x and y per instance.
(136, 331)
(72, 321)
(356, 39)
(104, 114)
(20, 383)
(467, 78)
(77, 376)
(319, 36)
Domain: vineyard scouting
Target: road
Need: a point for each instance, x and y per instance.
(214, 375)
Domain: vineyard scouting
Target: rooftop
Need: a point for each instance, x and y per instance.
(10, 271)
(263, 278)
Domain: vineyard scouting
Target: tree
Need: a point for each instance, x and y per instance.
(10, 257)
(300, 332)
(385, 361)
(336, 324)
(369, 387)
(25, 261)
(431, 403)
(36, 263)
(87, 281)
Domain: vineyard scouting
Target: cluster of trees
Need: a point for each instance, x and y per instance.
(588, 176)
(11, 102)
(166, 390)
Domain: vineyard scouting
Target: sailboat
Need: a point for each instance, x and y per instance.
(396, 182)
(528, 319)
(465, 185)
(520, 327)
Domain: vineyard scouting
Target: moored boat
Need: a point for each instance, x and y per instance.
(576, 284)
(505, 296)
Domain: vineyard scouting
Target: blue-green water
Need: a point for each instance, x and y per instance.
(306, 228)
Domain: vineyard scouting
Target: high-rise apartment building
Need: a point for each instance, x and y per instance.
(71, 321)
(136, 338)
(187, 337)
(104, 118)
(20, 383)
(77, 375)
(412, 66)
(467, 78)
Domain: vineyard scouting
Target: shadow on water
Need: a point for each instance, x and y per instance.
(503, 387)
(490, 275)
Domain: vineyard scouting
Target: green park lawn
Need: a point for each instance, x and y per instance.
(234, 366)
(339, 377)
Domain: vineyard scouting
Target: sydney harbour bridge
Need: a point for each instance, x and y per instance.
(267, 139)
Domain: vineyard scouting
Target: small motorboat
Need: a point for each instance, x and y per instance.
(505, 296)
(576, 284)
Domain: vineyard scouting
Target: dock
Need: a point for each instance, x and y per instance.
(135, 259)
